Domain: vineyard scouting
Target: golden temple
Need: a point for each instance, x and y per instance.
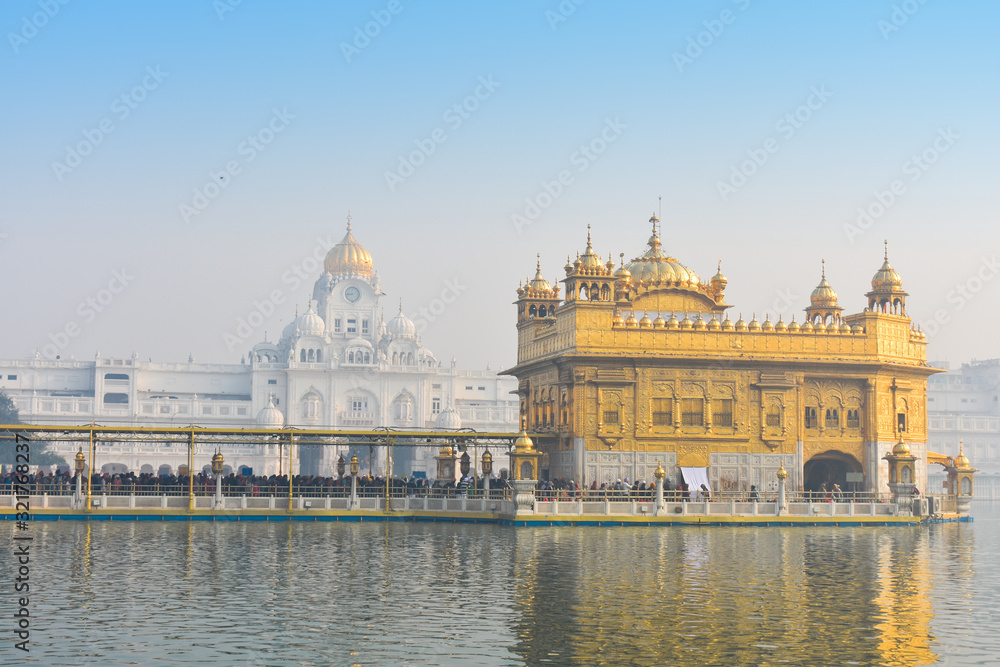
(642, 364)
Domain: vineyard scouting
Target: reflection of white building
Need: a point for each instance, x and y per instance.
(964, 405)
(339, 364)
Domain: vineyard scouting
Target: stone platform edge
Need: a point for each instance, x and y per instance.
(473, 517)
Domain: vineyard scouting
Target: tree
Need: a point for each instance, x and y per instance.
(40, 456)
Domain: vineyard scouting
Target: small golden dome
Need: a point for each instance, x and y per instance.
(686, 323)
(793, 326)
(845, 328)
(524, 443)
(631, 321)
(719, 281)
(807, 327)
(780, 324)
(656, 269)
(857, 329)
(700, 324)
(886, 277)
(348, 256)
(961, 462)
(713, 324)
(824, 296)
(727, 324)
(782, 474)
(740, 324)
(901, 448)
(645, 322)
(622, 273)
(659, 322)
(659, 473)
(673, 323)
(539, 283)
(590, 263)
(618, 321)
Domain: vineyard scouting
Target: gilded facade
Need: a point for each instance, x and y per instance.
(642, 363)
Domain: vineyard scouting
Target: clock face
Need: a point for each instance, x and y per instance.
(352, 294)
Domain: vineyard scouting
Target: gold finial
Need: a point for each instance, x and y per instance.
(823, 262)
(886, 242)
(538, 263)
(720, 266)
(348, 220)
(588, 235)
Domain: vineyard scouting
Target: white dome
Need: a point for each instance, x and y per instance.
(270, 416)
(310, 324)
(360, 342)
(402, 326)
(449, 418)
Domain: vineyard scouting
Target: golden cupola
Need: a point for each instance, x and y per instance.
(887, 295)
(823, 308)
(348, 257)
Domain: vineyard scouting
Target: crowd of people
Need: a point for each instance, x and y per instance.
(130, 483)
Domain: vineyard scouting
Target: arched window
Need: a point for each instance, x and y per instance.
(583, 292)
(832, 418)
(395, 358)
(311, 356)
(302, 355)
(605, 293)
(310, 407)
(350, 357)
(595, 292)
(319, 356)
(409, 359)
(541, 311)
(368, 357)
(532, 311)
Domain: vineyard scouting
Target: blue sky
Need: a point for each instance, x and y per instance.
(691, 90)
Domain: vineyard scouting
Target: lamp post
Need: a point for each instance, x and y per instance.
(782, 475)
(660, 474)
(487, 470)
(217, 468)
(353, 505)
(78, 467)
(341, 465)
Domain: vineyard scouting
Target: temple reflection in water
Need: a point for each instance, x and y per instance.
(739, 596)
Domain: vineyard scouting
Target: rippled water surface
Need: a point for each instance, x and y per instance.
(396, 593)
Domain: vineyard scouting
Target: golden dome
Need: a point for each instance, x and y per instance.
(780, 324)
(727, 324)
(524, 443)
(754, 324)
(618, 321)
(630, 321)
(793, 326)
(659, 322)
(886, 278)
(672, 323)
(656, 269)
(807, 327)
(348, 256)
(686, 323)
(700, 323)
(622, 273)
(740, 324)
(539, 283)
(589, 262)
(713, 324)
(645, 322)
(901, 448)
(824, 296)
(961, 461)
(719, 281)
(659, 473)
(782, 474)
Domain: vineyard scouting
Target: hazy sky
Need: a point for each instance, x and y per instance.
(445, 130)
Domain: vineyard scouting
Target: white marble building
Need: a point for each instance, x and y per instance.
(338, 365)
